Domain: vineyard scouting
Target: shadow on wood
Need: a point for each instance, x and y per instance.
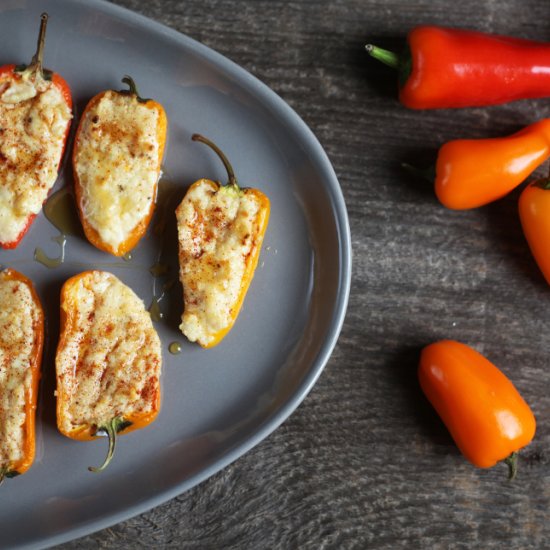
(381, 79)
(402, 367)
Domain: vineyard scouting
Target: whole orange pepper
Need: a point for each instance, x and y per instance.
(486, 416)
(534, 213)
(475, 172)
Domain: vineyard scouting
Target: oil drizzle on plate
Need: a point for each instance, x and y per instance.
(41, 257)
(61, 213)
(174, 348)
(167, 195)
(154, 308)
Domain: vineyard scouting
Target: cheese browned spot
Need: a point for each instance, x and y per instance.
(217, 232)
(19, 317)
(109, 358)
(117, 164)
(33, 123)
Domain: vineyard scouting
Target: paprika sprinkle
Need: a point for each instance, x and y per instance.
(447, 68)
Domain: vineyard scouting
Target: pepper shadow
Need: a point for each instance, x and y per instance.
(506, 235)
(402, 367)
(164, 233)
(380, 79)
(415, 172)
(47, 401)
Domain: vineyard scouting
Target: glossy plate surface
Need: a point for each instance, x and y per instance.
(217, 403)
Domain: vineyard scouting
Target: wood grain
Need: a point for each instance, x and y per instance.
(364, 462)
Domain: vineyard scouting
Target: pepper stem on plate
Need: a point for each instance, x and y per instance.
(232, 180)
(35, 68)
(117, 424)
(133, 89)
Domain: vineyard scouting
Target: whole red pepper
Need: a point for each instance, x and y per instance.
(445, 68)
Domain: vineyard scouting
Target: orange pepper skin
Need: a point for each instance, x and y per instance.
(474, 172)
(31, 397)
(483, 411)
(454, 68)
(140, 229)
(251, 260)
(252, 257)
(534, 214)
(68, 324)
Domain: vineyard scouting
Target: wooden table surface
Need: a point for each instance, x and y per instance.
(364, 462)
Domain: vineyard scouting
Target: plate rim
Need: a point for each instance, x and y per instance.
(313, 149)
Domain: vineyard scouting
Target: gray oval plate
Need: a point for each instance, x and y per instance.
(217, 403)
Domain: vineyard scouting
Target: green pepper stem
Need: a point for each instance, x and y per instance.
(37, 60)
(385, 56)
(133, 89)
(543, 183)
(512, 463)
(117, 424)
(36, 65)
(230, 174)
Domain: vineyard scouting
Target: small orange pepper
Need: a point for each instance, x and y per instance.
(486, 416)
(208, 267)
(11, 468)
(475, 172)
(115, 392)
(131, 141)
(534, 214)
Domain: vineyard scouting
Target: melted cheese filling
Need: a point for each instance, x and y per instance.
(217, 233)
(110, 362)
(33, 123)
(18, 319)
(117, 164)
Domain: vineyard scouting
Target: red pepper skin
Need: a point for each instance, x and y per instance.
(453, 68)
(63, 87)
(57, 80)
